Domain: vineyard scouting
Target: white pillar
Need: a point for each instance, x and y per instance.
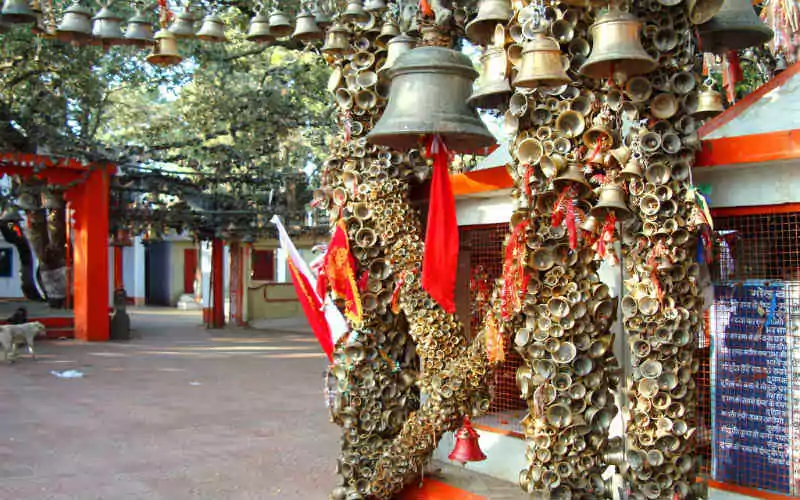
(205, 272)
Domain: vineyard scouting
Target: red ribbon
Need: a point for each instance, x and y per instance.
(528, 176)
(348, 126)
(396, 293)
(363, 280)
(515, 279)
(606, 233)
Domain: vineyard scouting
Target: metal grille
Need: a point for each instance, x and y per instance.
(754, 325)
(482, 253)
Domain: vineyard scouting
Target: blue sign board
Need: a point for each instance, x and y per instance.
(751, 380)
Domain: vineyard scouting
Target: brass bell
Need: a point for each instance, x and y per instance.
(321, 17)
(212, 30)
(337, 41)
(306, 29)
(183, 26)
(490, 13)
(492, 88)
(429, 91)
(736, 26)
(541, 65)
(395, 48)
(17, 12)
(389, 30)
(165, 49)
(591, 224)
(573, 175)
(76, 25)
(617, 48)
(354, 12)
(709, 103)
(259, 31)
(611, 199)
(139, 31)
(279, 24)
(107, 27)
(375, 6)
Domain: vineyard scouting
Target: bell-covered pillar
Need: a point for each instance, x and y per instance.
(90, 269)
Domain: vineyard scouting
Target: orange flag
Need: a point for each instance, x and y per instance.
(340, 271)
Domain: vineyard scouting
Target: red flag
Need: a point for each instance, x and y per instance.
(340, 271)
(312, 306)
(425, 7)
(440, 261)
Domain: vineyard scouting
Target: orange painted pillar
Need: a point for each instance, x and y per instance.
(217, 284)
(118, 276)
(90, 273)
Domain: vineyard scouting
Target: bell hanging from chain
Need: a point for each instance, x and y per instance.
(139, 31)
(354, 12)
(165, 49)
(212, 30)
(709, 103)
(633, 168)
(17, 12)
(735, 27)
(467, 448)
(395, 48)
(490, 14)
(428, 95)
(389, 30)
(321, 17)
(76, 25)
(259, 31)
(279, 24)
(107, 27)
(306, 29)
(617, 48)
(492, 89)
(573, 175)
(337, 41)
(542, 65)
(183, 26)
(611, 200)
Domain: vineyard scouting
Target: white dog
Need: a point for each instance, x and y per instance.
(25, 333)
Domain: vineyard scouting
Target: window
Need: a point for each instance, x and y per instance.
(6, 262)
(262, 265)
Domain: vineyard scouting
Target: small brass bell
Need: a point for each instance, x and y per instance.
(354, 12)
(490, 13)
(18, 12)
(212, 30)
(591, 224)
(611, 199)
(709, 103)
(492, 88)
(429, 91)
(633, 169)
(337, 41)
(259, 31)
(573, 175)
(76, 25)
(617, 48)
(279, 24)
(735, 27)
(165, 49)
(396, 46)
(542, 65)
(183, 26)
(389, 30)
(139, 31)
(107, 27)
(375, 6)
(306, 29)
(321, 17)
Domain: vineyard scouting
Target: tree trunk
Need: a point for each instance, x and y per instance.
(13, 234)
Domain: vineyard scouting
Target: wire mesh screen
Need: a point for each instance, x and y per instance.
(754, 326)
(482, 254)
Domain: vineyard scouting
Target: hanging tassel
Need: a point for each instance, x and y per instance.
(495, 348)
(514, 273)
(348, 127)
(396, 293)
(363, 280)
(606, 233)
(572, 228)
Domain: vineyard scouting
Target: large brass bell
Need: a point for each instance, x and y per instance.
(212, 30)
(306, 29)
(395, 48)
(259, 31)
(354, 12)
(736, 26)
(541, 65)
(279, 24)
(611, 200)
(107, 27)
(573, 175)
(429, 91)
(492, 88)
(165, 49)
(709, 103)
(490, 13)
(183, 26)
(617, 49)
(139, 31)
(76, 25)
(17, 12)
(337, 41)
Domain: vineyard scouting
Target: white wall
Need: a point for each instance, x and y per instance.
(493, 209)
(11, 288)
(771, 183)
